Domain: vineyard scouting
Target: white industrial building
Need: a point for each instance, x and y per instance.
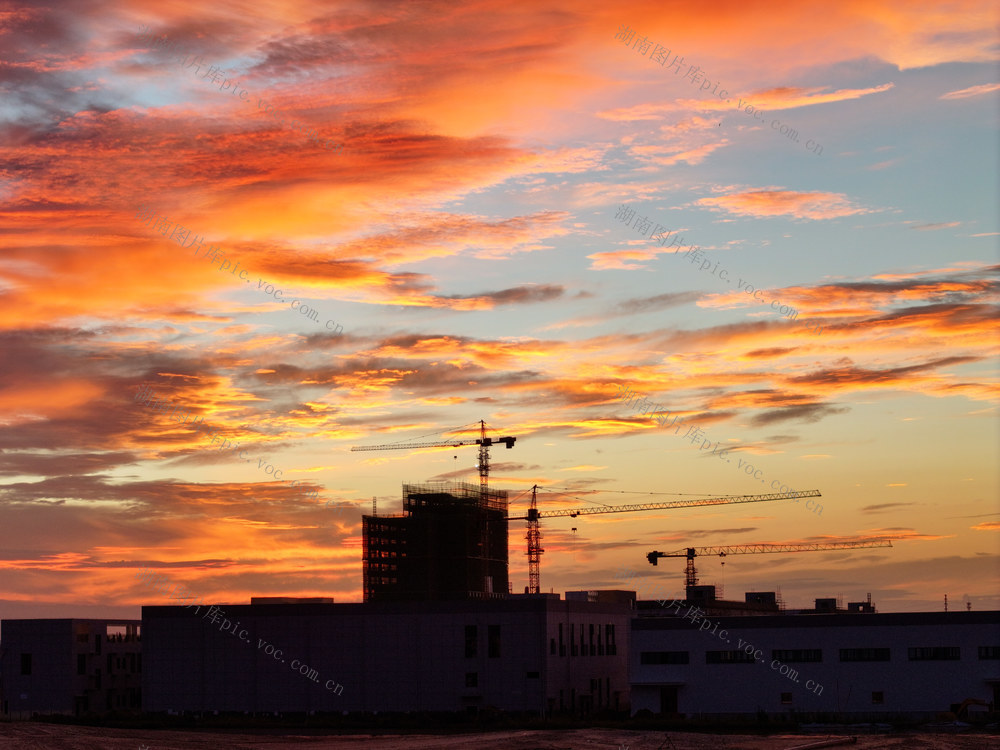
(865, 666)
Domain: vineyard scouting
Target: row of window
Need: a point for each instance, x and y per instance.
(785, 656)
(586, 646)
(81, 664)
(472, 641)
(878, 698)
(472, 678)
(116, 663)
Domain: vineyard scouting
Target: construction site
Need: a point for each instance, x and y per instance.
(441, 629)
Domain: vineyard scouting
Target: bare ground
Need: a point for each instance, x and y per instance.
(36, 736)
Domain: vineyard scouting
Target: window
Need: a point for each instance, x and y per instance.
(552, 646)
(728, 657)
(663, 657)
(609, 638)
(494, 641)
(572, 640)
(81, 664)
(533, 675)
(25, 663)
(797, 654)
(864, 654)
(935, 653)
(562, 646)
(878, 698)
(472, 679)
(989, 652)
(471, 640)
(786, 699)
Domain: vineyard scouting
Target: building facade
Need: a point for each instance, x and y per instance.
(862, 665)
(72, 666)
(534, 654)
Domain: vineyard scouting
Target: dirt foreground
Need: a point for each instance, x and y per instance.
(33, 736)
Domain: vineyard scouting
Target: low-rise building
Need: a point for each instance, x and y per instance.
(70, 666)
(524, 653)
(861, 665)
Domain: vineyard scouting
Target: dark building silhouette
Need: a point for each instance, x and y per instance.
(70, 666)
(450, 543)
(530, 653)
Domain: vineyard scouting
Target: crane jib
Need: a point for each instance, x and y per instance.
(726, 500)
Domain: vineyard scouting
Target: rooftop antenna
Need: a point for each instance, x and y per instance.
(945, 602)
(374, 506)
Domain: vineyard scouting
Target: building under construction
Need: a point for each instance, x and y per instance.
(449, 543)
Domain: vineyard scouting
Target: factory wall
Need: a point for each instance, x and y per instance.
(530, 653)
(383, 656)
(867, 665)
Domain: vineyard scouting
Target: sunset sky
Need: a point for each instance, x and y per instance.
(460, 207)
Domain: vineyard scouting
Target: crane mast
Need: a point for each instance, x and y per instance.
(534, 537)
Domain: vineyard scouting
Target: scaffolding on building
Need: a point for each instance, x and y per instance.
(457, 493)
(450, 542)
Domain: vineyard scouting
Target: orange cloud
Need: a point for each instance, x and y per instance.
(619, 259)
(815, 205)
(861, 299)
(636, 113)
(986, 526)
(980, 90)
(785, 97)
(933, 227)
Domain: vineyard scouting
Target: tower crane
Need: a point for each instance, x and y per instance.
(534, 535)
(690, 553)
(483, 442)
